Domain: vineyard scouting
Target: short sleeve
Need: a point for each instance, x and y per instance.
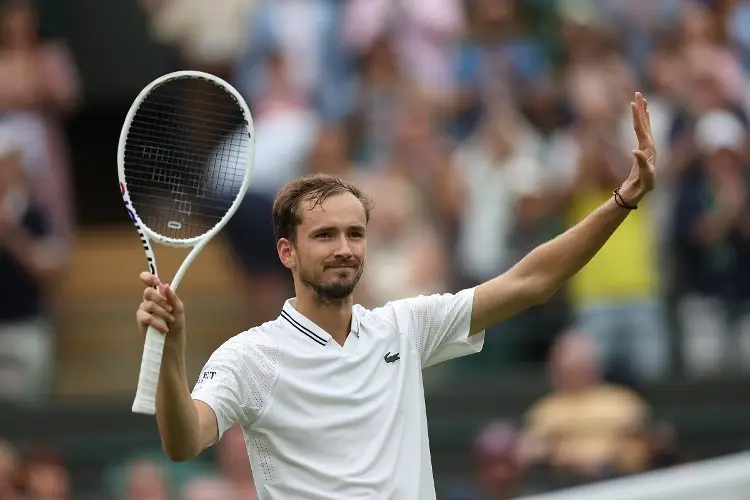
(437, 325)
(238, 379)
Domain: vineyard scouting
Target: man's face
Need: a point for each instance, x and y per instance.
(329, 253)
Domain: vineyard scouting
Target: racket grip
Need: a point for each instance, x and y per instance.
(148, 378)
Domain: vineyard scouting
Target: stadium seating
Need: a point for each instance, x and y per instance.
(98, 347)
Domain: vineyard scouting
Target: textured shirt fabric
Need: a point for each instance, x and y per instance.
(326, 421)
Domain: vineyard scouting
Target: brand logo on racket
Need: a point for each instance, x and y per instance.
(144, 241)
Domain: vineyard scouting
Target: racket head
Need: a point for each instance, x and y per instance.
(185, 157)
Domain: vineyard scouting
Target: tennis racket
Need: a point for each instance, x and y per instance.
(184, 160)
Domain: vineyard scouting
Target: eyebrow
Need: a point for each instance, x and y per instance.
(323, 229)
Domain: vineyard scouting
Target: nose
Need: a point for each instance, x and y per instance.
(343, 249)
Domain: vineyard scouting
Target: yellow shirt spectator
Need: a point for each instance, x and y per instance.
(625, 268)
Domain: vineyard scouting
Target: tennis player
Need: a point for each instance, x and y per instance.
(330, 395)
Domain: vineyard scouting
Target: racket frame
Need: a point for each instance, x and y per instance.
(148, 378)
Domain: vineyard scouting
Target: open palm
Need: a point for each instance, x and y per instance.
(643, 173)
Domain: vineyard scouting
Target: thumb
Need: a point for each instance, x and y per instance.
(172, 298)
(641, 158)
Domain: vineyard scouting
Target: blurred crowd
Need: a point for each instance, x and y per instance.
(481, 128)
(38, 86)
(40, 474)
(484, 127)
(586, 429)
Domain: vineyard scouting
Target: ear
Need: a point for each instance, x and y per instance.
(285, 248)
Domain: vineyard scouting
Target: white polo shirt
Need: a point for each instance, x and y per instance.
(325, 421)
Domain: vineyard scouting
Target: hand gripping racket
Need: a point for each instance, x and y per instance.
(185, 159)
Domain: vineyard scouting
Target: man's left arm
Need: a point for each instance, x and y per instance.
(545, 269)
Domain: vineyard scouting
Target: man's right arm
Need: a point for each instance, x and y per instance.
(187, 426)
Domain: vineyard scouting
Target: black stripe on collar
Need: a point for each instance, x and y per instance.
(306, 331)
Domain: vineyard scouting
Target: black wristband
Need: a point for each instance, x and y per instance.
(621, 202)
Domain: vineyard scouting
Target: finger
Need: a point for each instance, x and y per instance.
(643, 107)
(640, 101)
(150, 279)
(159, 324)
(641, 158)
(156, 310)
(173, 299)
(153, 295)
(146, 319)
(640, 129)
(636, 117)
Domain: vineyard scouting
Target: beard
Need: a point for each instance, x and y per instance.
(332, 292)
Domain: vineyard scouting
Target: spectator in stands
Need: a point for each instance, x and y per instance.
(738, 28)
(585, 427)
(234, 465)
(491, 172)
(616, 298)
(305, 36)
(46, 478)
(209, 488)
(146, 480)
(29, 266)
(39, 85)
(9, 472)
(405, 252)
(664, 445)
(422, 34)
(498, 464)
(705, 75)
(421, 153)
(34, 74)
(208, 36)
(496, 64)
(332, 152)
(286, 129)
(666, 75)
(712, 224)
(380, 92)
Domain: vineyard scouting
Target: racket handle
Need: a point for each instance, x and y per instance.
(148, 378)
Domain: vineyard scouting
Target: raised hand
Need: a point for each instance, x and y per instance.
(161, 308)
(643, 173)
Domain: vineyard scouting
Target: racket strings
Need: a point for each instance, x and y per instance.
(195, 157)
(186, 154)
(209, 125)
(217, 110)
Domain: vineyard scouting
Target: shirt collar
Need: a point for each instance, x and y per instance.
(308, 328)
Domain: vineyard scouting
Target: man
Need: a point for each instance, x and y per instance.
(30, 263)
(587, 428)
(330, 394)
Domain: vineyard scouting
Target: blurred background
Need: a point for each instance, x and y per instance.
(481, 128)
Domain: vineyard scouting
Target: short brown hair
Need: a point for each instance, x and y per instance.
(313, 187)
